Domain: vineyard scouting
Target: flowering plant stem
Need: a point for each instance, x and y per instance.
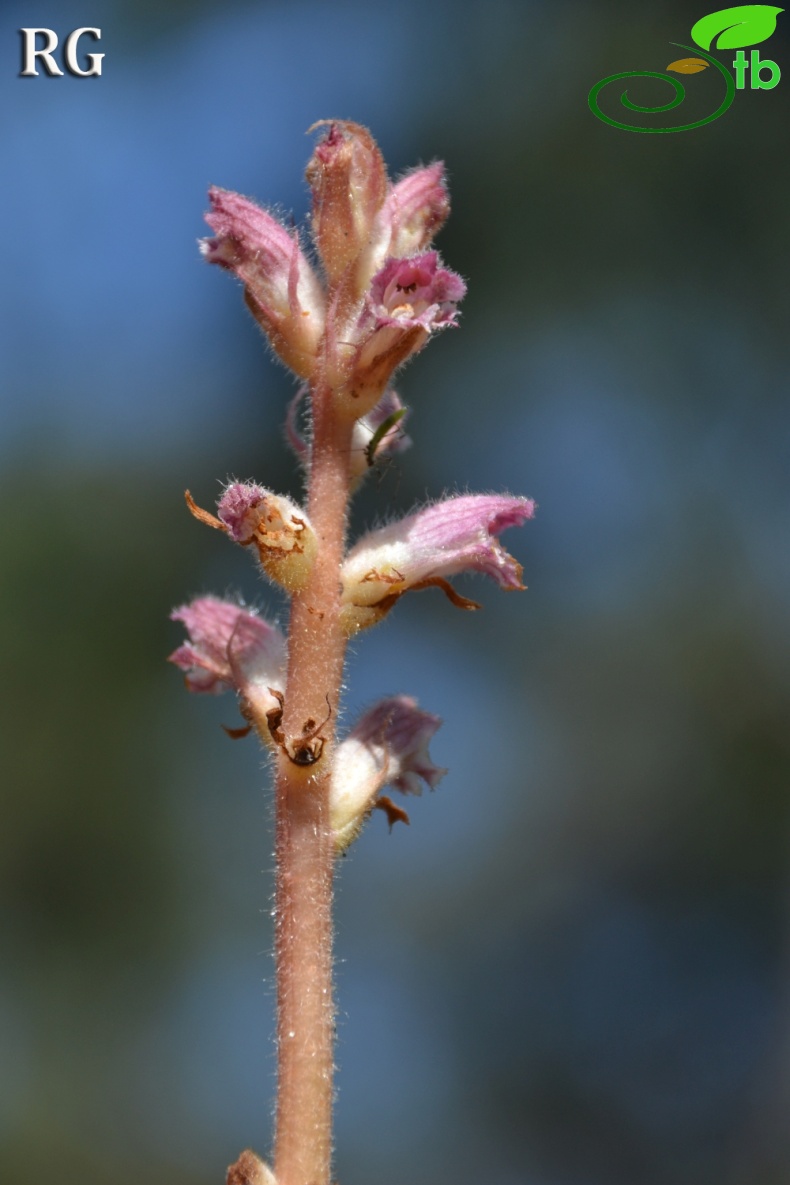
(305, 847)
(380, 298)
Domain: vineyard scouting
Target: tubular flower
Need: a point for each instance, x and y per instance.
(231, 647)
(414, 212)
(416, 291)
(280, 530)
(455, 535)
(409, 299)
(388, 746)
(282, 291)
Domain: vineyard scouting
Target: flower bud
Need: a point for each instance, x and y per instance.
(349, 182)
(452, 536)
(279, 529)
(249, 1169)
(282, 291)
(388, 745)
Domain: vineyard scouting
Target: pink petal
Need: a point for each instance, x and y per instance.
(415, 210)
(229, 647)
(416, 291)
(388, 745)
(403, 731)
(284, 292)
(239, 509)
(455, 535)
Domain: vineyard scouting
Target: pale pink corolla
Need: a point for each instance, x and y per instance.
(456, 535)
(282, 290)
(230, 647)
(415, 291)
(388, 746)
(414, 211)
(408, 301)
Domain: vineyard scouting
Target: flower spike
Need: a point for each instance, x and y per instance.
(456, 535)
(377, 296)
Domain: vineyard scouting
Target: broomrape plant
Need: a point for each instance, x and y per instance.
(381, 294)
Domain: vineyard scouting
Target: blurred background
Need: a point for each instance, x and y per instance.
(572, 968)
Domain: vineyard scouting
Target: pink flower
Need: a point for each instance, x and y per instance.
(416, 291)
(415, 210)
(388, 746)
(230, 647)
(283, 292)
(408, 300)
(455, 535)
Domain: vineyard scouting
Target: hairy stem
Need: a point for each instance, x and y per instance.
(305, 852)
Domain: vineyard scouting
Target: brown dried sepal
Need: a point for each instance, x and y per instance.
(302, 750)
(355, 618)
(448, 590)
(236, 734)
(386, 602)
(395, 814)
(203, 516)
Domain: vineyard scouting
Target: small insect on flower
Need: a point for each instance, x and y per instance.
(384, 427)
(306, 749)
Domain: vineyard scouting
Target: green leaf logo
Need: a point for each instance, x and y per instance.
(748, 24)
